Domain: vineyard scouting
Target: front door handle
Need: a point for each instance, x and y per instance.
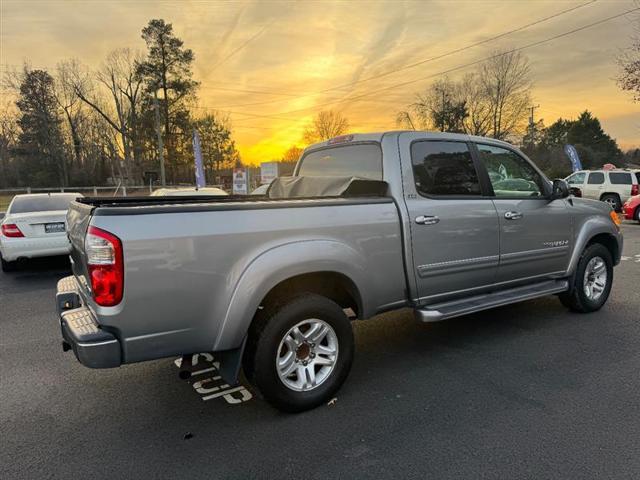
(513, 215)
(427, 220)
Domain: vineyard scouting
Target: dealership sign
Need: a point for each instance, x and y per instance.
(268, 172)
(240, 181)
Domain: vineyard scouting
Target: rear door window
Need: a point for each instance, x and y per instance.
(596, 178)
(360, 160)
(620, 178)
(41, 203)
(444, 168)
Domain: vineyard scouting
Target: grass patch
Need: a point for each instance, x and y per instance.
(5, 200)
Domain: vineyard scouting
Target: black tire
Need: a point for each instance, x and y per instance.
(612, 199)
(7, 266)
(636, 215)
(268, 330)
(577, 299)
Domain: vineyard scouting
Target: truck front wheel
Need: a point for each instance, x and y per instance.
(592, 284)
(299, 353)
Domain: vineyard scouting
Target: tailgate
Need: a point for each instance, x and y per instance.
(78, 218)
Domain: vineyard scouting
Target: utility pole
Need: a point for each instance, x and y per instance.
(532, 125)
(163, 180)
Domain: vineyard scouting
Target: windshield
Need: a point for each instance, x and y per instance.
(363, 160)
(42, 203)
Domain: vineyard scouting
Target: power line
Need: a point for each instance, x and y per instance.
(466, 65)
(462, 49)
(422, 62)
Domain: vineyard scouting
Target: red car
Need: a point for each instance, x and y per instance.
(631, 208)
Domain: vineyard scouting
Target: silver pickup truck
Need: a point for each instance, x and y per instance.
(445, 224)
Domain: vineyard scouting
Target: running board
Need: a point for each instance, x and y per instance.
(442, 311)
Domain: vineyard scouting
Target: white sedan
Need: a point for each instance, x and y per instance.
(34, 226)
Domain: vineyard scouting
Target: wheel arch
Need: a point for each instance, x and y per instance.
(609, 241)
(327, 267)
(611, 194)
(596, 229)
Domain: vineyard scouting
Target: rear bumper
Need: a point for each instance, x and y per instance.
(28, 247)
(92, 346)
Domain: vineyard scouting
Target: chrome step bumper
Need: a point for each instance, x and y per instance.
(92, 346)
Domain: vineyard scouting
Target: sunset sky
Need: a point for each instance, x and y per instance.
(273, 64)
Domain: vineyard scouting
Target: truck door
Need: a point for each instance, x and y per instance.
(454, 229)
(535, 232)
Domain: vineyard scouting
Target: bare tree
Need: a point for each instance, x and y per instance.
(117, 75)
(70, 104)
(405, 119)
(479, 114)
(292, 154)
(441, 107)
(505, 82)
(327, 124)
(628, 78)
(9, 131)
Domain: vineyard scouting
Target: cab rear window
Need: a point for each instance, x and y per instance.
(361, 160)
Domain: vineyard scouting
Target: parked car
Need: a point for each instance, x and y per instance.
(187, 191)
(34, 226)
(611, 186)
(368, 222)
(631, 208)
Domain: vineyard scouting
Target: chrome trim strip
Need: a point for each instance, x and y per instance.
(453, 266)
(537, 254)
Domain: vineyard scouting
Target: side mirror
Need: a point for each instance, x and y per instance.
(560, 189)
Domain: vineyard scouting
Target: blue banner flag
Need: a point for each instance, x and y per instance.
(197, 154)
(572, 153)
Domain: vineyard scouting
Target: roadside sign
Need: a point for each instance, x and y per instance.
(268, 172)
(240, 181)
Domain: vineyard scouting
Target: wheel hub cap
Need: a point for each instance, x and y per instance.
(307, 355)
(595, 278)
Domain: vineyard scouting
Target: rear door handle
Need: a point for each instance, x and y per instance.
(427, 220)
(513, 215)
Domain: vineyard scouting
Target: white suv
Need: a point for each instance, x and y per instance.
(611, 186)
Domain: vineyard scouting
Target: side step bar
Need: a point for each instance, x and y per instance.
(442, 311)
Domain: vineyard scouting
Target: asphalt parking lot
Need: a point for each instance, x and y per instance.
(524, 391)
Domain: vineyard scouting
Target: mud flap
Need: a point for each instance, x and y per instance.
(230, 363)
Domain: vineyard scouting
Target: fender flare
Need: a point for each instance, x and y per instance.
(280, 263)
(592, 227)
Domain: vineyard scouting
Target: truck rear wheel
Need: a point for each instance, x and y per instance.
(594, 277)
(300, 352)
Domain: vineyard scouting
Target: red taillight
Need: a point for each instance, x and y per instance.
(11, 230)
(106, 268)
(634, 189)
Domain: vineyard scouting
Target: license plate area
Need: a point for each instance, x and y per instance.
(57, 227)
